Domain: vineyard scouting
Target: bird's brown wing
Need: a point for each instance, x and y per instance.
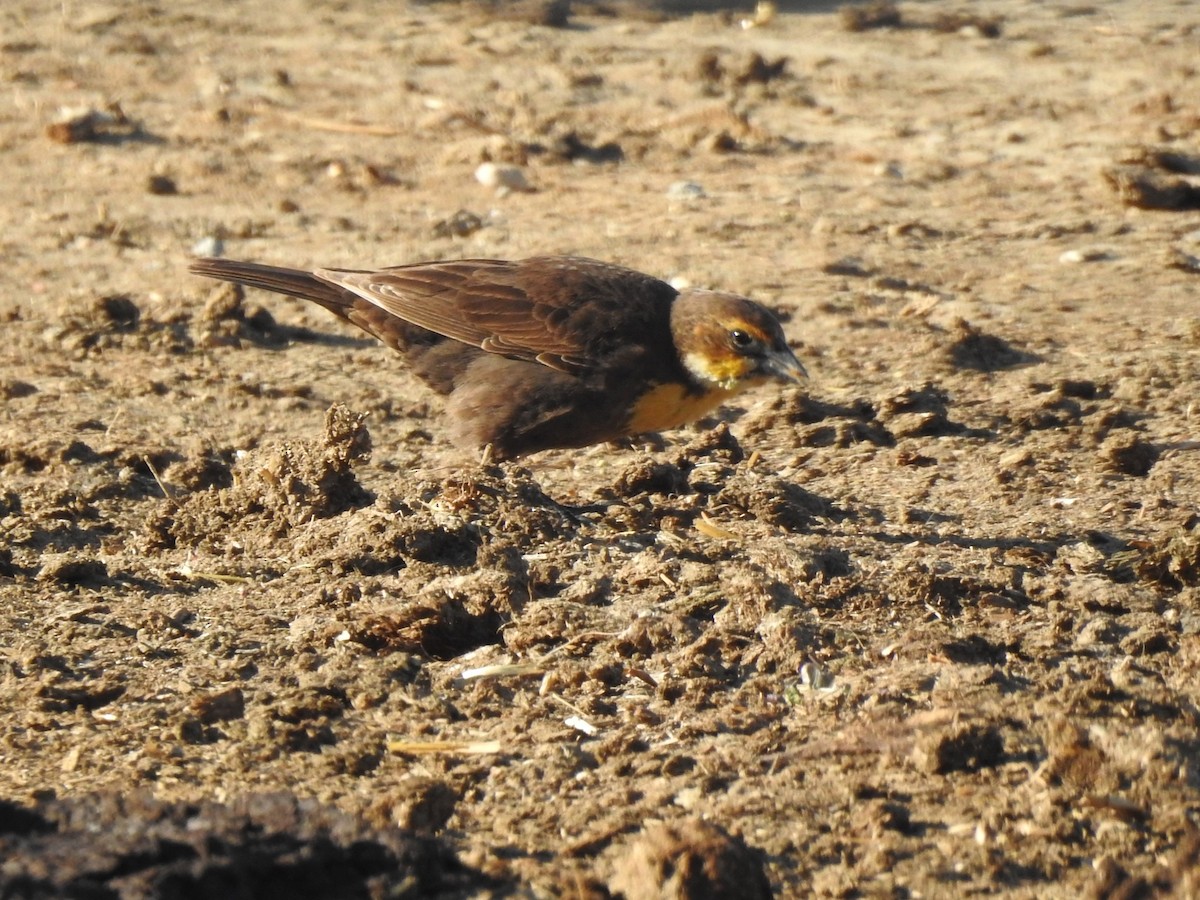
(567, 313)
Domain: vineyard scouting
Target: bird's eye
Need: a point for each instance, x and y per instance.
(740, 338)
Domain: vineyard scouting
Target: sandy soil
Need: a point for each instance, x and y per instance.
(928, 628)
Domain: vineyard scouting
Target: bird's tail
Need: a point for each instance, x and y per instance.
(394, 331)
(293, 282)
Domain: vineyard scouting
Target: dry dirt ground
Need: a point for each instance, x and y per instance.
(929, 627)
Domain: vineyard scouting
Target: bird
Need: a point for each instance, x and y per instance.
(549, 351)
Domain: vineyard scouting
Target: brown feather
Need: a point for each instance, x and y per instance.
(539, 310)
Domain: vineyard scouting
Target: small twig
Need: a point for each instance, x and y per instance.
(580, 638)
(158, 480)
(568, 704)
(709, 528)
(216, 576)
(339, 127)
(417, 748)
(517, 670)
(115, 419)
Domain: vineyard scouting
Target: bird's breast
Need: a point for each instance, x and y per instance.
(667, 406)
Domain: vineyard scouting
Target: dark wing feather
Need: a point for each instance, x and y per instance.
(568, 313)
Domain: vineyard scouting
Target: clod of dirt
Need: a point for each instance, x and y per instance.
(13, 389)
(691, 860)
(119, 310)
(423, 805)
(1074, 763)
(462, 224)
(964, 748)
(105, 323)
(754, 69)
(1081, 389)
(1174, 258)
(953, 22)
(552, 13)
(1099, 630)
(1148, 640)
(918, 412)
(799, 420)
(1143, 188)
(1048, 411)
(716, 450)
(650, 635)
(1178, 880)
(1166, 158)
(440, 630)
(549, 13)
(70, 570)
(772, 500)
(979, 352)
(651, 476)
(848, 267)
(10, 503)
(757, 70)
(225, 320)
(714, 445)
(913, 459)
(91, 125)
(279, 487)
(867, 16)
(924, 400)
(1176, 563)
(207, 469)
(89, 695)
(787, 409)
(503, 500)
(885, 14)
(927, 585)
(161, 186)
(570, 147)
(267, 845)
(877, 815)
(1129, 455)
(916, 425)
(220, 706)
(709, 67)
(293, 720)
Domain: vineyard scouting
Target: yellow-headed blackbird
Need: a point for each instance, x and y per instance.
(552, 351)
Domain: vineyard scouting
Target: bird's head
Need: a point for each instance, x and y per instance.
(729, 342)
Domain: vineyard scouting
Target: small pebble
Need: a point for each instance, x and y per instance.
(503, 178)
(161, 185)
(764, 14)
(1174, 258)
(208, 246)
(1081, 256)
(462, 224)
(685, 190)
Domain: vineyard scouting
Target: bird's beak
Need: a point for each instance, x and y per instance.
(782, 364)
